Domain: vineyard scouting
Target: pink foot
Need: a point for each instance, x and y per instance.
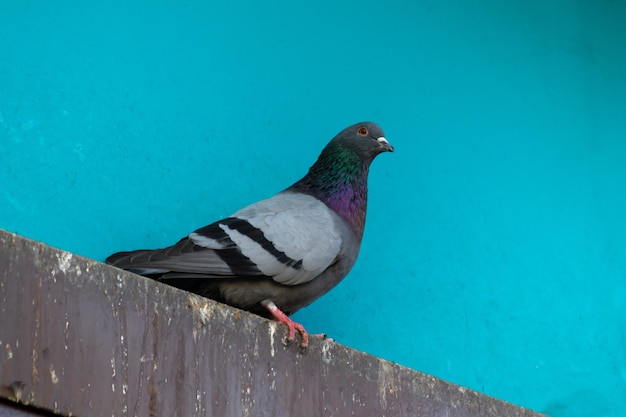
(281, 317)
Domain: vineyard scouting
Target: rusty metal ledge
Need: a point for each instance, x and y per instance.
(81, 338)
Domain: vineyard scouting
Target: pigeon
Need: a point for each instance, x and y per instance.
(278, 255)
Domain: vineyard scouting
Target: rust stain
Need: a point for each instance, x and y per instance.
(36, 337)
(16, 388)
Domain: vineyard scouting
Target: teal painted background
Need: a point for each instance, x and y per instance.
(495, 248)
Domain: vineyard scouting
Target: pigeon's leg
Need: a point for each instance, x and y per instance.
(283, 318)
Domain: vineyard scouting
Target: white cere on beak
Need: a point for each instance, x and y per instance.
(382, 140)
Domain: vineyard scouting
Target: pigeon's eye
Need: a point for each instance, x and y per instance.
(362, 131)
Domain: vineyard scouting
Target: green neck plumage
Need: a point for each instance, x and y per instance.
(339, 179)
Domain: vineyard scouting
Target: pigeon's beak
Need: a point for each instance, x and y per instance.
(386, 145)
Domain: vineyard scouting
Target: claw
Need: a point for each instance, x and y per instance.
(281, 317)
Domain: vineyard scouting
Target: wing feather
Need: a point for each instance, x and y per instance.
(291, 237)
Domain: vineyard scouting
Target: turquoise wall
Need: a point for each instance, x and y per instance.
(495, 250)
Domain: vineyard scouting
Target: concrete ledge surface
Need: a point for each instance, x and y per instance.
(81, 338)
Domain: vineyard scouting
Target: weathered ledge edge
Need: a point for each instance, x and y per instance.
(78, 337)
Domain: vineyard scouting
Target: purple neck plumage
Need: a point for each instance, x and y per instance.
(339, 179)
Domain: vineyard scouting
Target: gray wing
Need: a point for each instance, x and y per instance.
(290, 237)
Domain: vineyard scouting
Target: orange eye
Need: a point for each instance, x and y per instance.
(362, 131)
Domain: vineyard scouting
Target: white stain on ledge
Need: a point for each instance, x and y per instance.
(272, 335)
(65, 261)
(9, 351)
(53, 376)
(327, 355)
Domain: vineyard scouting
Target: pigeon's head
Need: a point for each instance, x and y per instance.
(339, 176)
(366, 139)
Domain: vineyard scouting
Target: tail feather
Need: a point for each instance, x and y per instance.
(183, 259)
(132, 260)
